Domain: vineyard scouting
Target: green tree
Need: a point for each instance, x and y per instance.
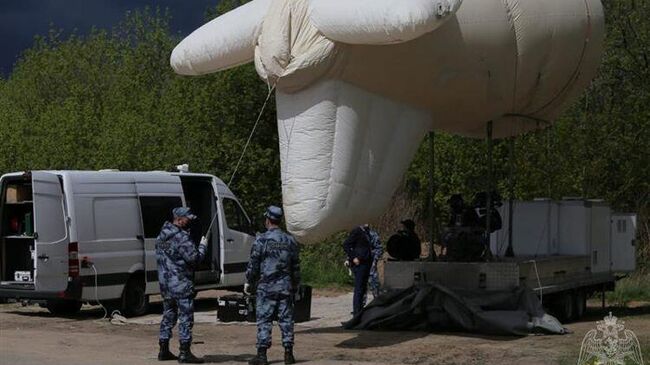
(111, 100)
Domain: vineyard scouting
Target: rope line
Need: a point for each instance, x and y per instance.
(539, 283)
(250, 136)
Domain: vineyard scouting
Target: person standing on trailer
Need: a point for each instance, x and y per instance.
(414, 243)
(274, 267)
(358, 248)
(177, 258)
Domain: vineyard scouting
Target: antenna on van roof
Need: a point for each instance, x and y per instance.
(184, 168)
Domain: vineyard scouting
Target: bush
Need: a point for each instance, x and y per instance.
(633, 288)
(321, 264)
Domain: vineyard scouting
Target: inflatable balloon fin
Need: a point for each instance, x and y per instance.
(343, 152)
(224, 42)
(379, 21)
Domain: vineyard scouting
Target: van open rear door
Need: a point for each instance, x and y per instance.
(238, 236)
(50, 233)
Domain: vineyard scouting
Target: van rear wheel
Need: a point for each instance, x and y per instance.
(63, 307)
(135, 302)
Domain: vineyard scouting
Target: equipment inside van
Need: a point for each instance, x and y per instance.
(68, 236)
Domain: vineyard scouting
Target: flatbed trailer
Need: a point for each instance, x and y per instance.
(585, 249)
(563, 283)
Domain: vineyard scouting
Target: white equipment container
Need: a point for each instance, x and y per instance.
(585, 230)
(570, 227)
(534, 228)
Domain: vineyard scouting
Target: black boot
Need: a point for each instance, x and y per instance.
(260, 359)
(164, 354)
(186, 356)
(288, 356)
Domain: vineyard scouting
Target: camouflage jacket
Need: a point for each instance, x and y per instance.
(377, 251)
(274, 263)
(177, 256)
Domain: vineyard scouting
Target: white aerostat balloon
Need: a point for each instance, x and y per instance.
(360, 82)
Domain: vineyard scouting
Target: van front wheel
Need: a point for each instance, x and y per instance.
(63, 307)
(134, 300)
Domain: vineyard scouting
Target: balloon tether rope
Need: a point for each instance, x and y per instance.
(250, 136)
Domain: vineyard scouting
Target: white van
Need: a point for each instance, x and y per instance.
(58, 227)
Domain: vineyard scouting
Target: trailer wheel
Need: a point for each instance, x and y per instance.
(563, 307)
(135, 302)
(63, 307)
(580, 304)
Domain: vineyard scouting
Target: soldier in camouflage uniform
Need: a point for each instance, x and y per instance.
(377, 251)
(274, 267)
(177, 257)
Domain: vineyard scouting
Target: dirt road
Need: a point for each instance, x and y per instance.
(29, 335)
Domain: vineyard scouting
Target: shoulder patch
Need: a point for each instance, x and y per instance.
(278, 245)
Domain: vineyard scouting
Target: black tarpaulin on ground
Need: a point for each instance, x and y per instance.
(434, 307)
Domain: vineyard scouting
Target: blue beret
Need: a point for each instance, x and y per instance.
(183, 212)
(274, 213)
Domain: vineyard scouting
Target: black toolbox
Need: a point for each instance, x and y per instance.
(236, 308)
(240, 308)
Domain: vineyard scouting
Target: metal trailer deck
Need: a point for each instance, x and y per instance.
(562, 282)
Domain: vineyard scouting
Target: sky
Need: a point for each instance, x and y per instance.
(21, 20)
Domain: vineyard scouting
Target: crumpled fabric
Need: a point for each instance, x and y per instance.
(433, 307)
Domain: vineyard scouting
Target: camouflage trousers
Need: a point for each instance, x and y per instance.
(266, 309)
(181, 309)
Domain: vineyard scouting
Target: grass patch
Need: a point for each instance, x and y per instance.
(633, 288)
(321, 264)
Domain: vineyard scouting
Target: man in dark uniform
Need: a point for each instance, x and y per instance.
(358, 248)
(177, 257)
(414, 244)
(274, 267)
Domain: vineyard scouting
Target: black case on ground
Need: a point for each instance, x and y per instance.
(302, 304)
(240, 308)
(235, 308)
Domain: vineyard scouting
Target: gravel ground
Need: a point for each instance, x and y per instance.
(327, 311)
(29, 335)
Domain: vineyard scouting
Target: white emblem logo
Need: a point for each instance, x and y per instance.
(610, 344)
